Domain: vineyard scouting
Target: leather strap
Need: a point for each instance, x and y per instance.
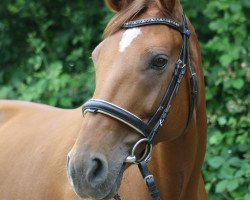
(154, 21)
(149, 180)
(193, 78)
(194, 88)
(174, 85)
(117, 197)
(116, 112)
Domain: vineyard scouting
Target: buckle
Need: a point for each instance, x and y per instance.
(187, 32)
(148, 177)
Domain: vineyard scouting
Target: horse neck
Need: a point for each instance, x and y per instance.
(176, 165)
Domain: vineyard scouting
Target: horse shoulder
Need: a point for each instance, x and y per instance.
(34, 142)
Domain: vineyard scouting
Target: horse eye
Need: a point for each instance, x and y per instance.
(159, 62)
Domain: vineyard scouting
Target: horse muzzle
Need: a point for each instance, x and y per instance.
(93, 176)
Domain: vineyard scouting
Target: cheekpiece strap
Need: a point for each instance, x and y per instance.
(154, 21)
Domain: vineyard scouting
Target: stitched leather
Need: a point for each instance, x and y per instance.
(154, 21)
(95, 105)
(149, 179)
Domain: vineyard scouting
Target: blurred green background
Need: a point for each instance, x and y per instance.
(45, 49)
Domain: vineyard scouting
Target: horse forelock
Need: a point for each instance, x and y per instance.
(138, 8)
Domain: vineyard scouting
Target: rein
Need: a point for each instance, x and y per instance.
(149, 130)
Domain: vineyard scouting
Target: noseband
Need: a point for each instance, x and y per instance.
(149, 130)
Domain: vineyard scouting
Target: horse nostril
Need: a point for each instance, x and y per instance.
(98, 171)
(68, 158)
(97, 167)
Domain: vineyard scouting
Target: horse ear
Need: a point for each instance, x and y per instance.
(170, 6)
(117, 5)
(114, 5)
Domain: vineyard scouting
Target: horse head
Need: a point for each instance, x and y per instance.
(135, 65)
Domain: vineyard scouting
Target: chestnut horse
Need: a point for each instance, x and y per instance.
(134, 68)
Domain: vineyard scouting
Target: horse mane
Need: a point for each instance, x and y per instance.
(133, 10)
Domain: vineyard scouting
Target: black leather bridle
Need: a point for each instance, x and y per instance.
(150, 129)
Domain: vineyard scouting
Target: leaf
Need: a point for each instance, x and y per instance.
(239, 174)
(243, 147)
(35, 61)
(226, 59)
(232, 185)
(236, 162)
(235, 7)
(247, 196)
(216, 161)
(222, 120)
(209, 94)
(221, 186)
(238, 83)
(216, 138)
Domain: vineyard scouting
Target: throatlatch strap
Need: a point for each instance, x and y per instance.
(149, 180)
(194, 88)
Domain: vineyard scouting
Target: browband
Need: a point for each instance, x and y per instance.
(157, 21)
(153, 21)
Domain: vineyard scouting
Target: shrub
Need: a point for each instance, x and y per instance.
(223, 29)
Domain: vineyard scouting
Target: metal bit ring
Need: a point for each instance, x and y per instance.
(146, 155)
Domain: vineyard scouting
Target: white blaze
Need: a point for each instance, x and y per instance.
(128, 36)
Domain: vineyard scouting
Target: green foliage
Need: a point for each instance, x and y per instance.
(45, 48)
(223, 29)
